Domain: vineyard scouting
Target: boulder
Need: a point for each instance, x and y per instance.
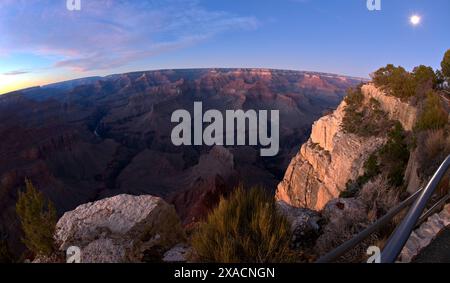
(178, 254)
(305, 224)
(120, 229)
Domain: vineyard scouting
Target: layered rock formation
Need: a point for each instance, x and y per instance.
(88, 139)
(123, 228)
(332, 157)
(397, 110)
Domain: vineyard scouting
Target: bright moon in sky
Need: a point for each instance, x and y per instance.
(415, 20)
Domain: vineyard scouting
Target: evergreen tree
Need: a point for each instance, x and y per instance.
(445, 64)
(38, 219)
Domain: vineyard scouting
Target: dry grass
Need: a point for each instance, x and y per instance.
(378, 197)
(435, 146)
(339, 230)
(245, 228)
(435, 143)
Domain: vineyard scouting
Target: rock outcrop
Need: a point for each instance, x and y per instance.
(305, 224)
(425, 234)
(397, 110)
(120, 229)
(325, 163)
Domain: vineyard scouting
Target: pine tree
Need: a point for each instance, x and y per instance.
(38, 219)
(445, 64)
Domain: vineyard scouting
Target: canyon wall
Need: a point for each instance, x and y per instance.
(332, 157)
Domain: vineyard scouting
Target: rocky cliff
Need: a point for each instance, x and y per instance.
(120, 229)
(89, 139)
(332, 157)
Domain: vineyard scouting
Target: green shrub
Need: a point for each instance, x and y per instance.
(396, 81)
(424, 75)
(433, 116)
(38, 219)
(245, 228)
(371, 168)
(445, 64)
(391, 160)
(395, 155)
(364, 120)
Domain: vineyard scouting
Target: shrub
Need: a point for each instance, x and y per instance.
(38, 219)
(363, 120)
(435, 147)
(435, 143)
(433, 115)
(395, 155)
(341, 227)
(244, 228)
(371, 168)
(378, 197)
(445, 64)
(395, 80)
(425, 80)
(424, 75)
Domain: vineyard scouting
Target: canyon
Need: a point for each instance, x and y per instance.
(90, 139)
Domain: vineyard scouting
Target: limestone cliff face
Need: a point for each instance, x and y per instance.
(397, 110)
(331, 157)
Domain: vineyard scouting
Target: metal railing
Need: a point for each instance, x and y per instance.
(415, 216)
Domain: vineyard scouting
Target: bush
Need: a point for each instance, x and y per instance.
(445, 64)
(245, 228)
(435, 147)
(436, 143)
(395, 155)
(424, 75)
(38, 219)
(425, 79)
(433, 116)
(363, 120)
(378, 197)
(396, 81)
(371, 168)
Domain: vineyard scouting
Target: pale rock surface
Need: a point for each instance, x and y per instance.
(325, 163)
(425, 234)
(411, 174)
(119, 229)
(177, 254)
(397, 110)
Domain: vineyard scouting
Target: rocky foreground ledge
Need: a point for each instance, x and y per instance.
(121, 229)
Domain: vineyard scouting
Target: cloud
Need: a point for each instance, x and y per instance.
(110, 33)
(15, 73)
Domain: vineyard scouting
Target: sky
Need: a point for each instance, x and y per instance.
(42, 42)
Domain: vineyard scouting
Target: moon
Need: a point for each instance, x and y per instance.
(415, 20)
